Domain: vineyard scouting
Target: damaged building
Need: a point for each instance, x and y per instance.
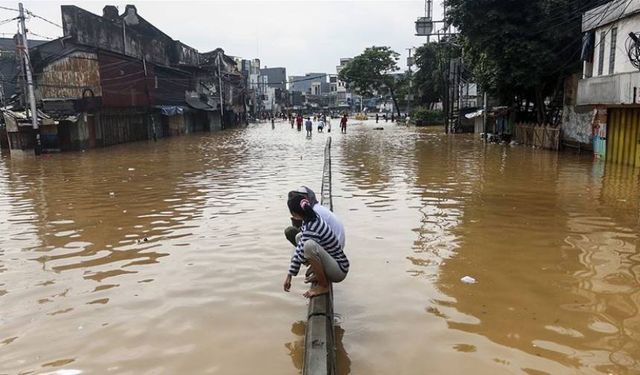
(116, 78)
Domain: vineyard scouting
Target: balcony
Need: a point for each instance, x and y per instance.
(616, 89)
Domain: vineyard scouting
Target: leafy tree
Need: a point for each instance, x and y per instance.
(521, 49)
(372, 72)
(430, 78)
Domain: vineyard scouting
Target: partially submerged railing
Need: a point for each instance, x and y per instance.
(319, 340)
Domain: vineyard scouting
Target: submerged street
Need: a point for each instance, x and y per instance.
(168, 257)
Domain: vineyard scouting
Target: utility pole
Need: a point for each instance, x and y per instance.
(410, 95)
(148, 94)
(219, 61)
(485, 115)
(30, 87)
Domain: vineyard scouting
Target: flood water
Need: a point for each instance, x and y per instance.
(169, 257)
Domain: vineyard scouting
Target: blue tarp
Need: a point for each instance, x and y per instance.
(170, 110)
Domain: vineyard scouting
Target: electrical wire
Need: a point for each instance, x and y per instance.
(41, 36)
(8, 20)
(633, 51)
(42, 18)
(603, 35)
(6, 8)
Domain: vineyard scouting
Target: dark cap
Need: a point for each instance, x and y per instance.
(306, 192)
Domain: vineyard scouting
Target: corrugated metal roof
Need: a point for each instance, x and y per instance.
(8, 44)
(608, 13)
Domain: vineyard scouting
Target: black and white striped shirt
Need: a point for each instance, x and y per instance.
(321, 233)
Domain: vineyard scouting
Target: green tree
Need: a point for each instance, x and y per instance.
(430, 78)
(521, 49)
(372, 72)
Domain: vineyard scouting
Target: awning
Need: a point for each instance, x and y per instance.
(43, 118)
(196, 103)
(475, 114)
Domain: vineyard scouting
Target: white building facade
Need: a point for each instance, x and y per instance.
(602, 107)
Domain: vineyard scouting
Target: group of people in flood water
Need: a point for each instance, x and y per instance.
(321, 123)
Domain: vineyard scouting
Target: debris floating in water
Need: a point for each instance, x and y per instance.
(468, 280)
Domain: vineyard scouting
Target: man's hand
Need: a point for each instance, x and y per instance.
(287, 283)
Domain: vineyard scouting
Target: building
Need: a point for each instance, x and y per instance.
(9, 67)
(116, 78)
(344, 98)
(275, 77)
(310, 83)
(10, 87)
(273, 87)
(603, 106)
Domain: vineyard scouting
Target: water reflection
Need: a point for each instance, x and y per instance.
(187, 255)
(376, 162)
(116, 254)
(551, 238)
(556, 276)
(296, 348)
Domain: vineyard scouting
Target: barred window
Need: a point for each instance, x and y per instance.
(612, 50)
(603, 36)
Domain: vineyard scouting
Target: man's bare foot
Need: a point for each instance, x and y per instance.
(316, 291)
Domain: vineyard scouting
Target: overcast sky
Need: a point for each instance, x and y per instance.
(302, 35)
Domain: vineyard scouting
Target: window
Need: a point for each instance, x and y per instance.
(612, 50)
(603, 35)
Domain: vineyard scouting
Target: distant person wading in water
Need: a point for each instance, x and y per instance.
(343, 124)
(299, 122)
(308, 125)
(318, 243)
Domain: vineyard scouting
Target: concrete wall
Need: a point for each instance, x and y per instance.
(576, 124)
(612, 89)
(59, 78)
(129, 34)
(576, 120)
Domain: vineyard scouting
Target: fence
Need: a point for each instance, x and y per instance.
(543, 136)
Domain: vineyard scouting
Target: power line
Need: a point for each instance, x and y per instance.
(42, 18)
(8, 20)
(40, 36)
(13, 9)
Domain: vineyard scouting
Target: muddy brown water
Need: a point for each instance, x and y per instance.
(168, 257)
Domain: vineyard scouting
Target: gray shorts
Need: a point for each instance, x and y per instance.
(331, 268)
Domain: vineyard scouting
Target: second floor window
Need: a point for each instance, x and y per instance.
(603, 36)
(612, 50)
